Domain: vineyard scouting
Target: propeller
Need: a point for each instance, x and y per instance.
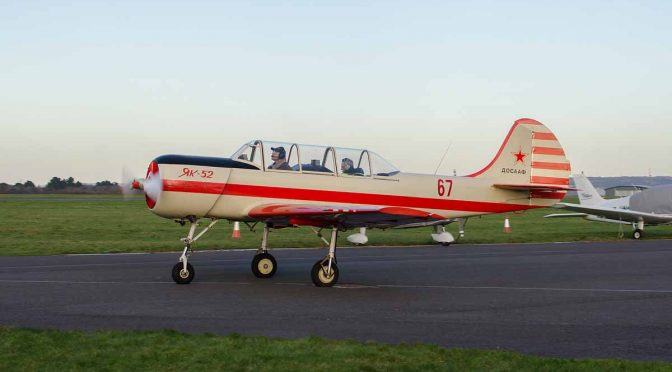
(130, 186)
(151, 185)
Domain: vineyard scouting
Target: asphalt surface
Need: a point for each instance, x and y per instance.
(600, 300)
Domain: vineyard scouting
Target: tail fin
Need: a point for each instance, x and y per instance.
(530, 158)
(588, 195)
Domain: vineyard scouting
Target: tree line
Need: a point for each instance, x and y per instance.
(58, 185)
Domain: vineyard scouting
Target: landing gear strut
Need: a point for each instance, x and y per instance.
(183, 272)
(325, 271)
(639, 230)
(264, 264)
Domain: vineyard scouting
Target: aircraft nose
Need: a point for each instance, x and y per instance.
(153, 185)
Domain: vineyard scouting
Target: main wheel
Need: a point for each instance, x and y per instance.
(320, 277)
(181, 276)
(264, 265)
(637, 234)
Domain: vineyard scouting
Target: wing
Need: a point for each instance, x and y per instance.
(344, 216)
(617, 214)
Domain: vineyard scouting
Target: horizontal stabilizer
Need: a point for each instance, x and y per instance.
(531, 187)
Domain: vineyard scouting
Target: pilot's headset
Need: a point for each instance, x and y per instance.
(281, 152)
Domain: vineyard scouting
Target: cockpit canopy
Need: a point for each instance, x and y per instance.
(292, 157)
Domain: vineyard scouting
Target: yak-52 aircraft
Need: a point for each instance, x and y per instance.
(652, 206)
(286, 185)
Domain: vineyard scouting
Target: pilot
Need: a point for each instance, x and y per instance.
(279, 159)
(348, 167)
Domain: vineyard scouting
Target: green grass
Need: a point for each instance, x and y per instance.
(29, 350)
(59, 224)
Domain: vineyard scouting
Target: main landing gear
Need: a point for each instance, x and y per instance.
(323, 274)
(638, 232)
(325, 271)
(264, 264)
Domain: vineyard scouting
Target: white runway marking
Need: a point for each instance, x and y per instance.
(605, 290)
(109, 282)
(359, 286)
(346, 258)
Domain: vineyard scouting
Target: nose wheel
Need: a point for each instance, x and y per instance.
(182, 275)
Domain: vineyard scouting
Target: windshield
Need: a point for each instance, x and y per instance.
(381, 167)
(249, 153)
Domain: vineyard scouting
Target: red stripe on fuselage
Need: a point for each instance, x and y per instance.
(339, 197)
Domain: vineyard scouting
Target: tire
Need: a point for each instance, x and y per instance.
(637, 234)
(264, 265)
(320, 279)
(181, 277)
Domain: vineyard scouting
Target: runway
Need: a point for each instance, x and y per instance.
(598, 300)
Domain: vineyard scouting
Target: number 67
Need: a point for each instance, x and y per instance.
(441, 188)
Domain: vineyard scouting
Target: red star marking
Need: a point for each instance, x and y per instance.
(520, 156)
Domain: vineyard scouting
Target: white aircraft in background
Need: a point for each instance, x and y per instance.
(652, 206)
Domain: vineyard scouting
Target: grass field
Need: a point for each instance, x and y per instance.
(59, 224)
(30, 350)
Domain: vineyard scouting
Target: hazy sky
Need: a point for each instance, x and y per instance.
(89, 87)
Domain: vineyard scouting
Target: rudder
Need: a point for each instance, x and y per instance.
(530, 156)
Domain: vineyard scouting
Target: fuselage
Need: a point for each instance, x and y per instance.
(224, 188)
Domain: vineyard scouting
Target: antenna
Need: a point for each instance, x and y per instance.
(443, 157)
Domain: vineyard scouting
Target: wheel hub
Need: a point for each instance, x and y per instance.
(265, 266)
(324, 276)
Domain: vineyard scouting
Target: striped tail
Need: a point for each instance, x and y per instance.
(531, 158)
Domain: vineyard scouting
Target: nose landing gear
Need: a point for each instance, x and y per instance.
(183, 272)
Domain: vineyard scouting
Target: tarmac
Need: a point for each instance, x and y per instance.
(597, 300)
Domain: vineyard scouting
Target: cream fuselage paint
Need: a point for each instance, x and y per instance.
(287, 187)
(529, 171)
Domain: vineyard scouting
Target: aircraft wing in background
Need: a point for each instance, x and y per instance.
(617, 214)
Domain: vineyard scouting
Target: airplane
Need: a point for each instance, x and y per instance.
(284, 185)
(652, 206)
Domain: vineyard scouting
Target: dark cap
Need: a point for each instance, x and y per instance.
(280, 150)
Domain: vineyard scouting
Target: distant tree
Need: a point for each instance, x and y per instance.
(106, 183)
(56, 183)
(29, 184)
(18, 184)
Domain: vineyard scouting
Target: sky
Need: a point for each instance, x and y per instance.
(88, 88)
